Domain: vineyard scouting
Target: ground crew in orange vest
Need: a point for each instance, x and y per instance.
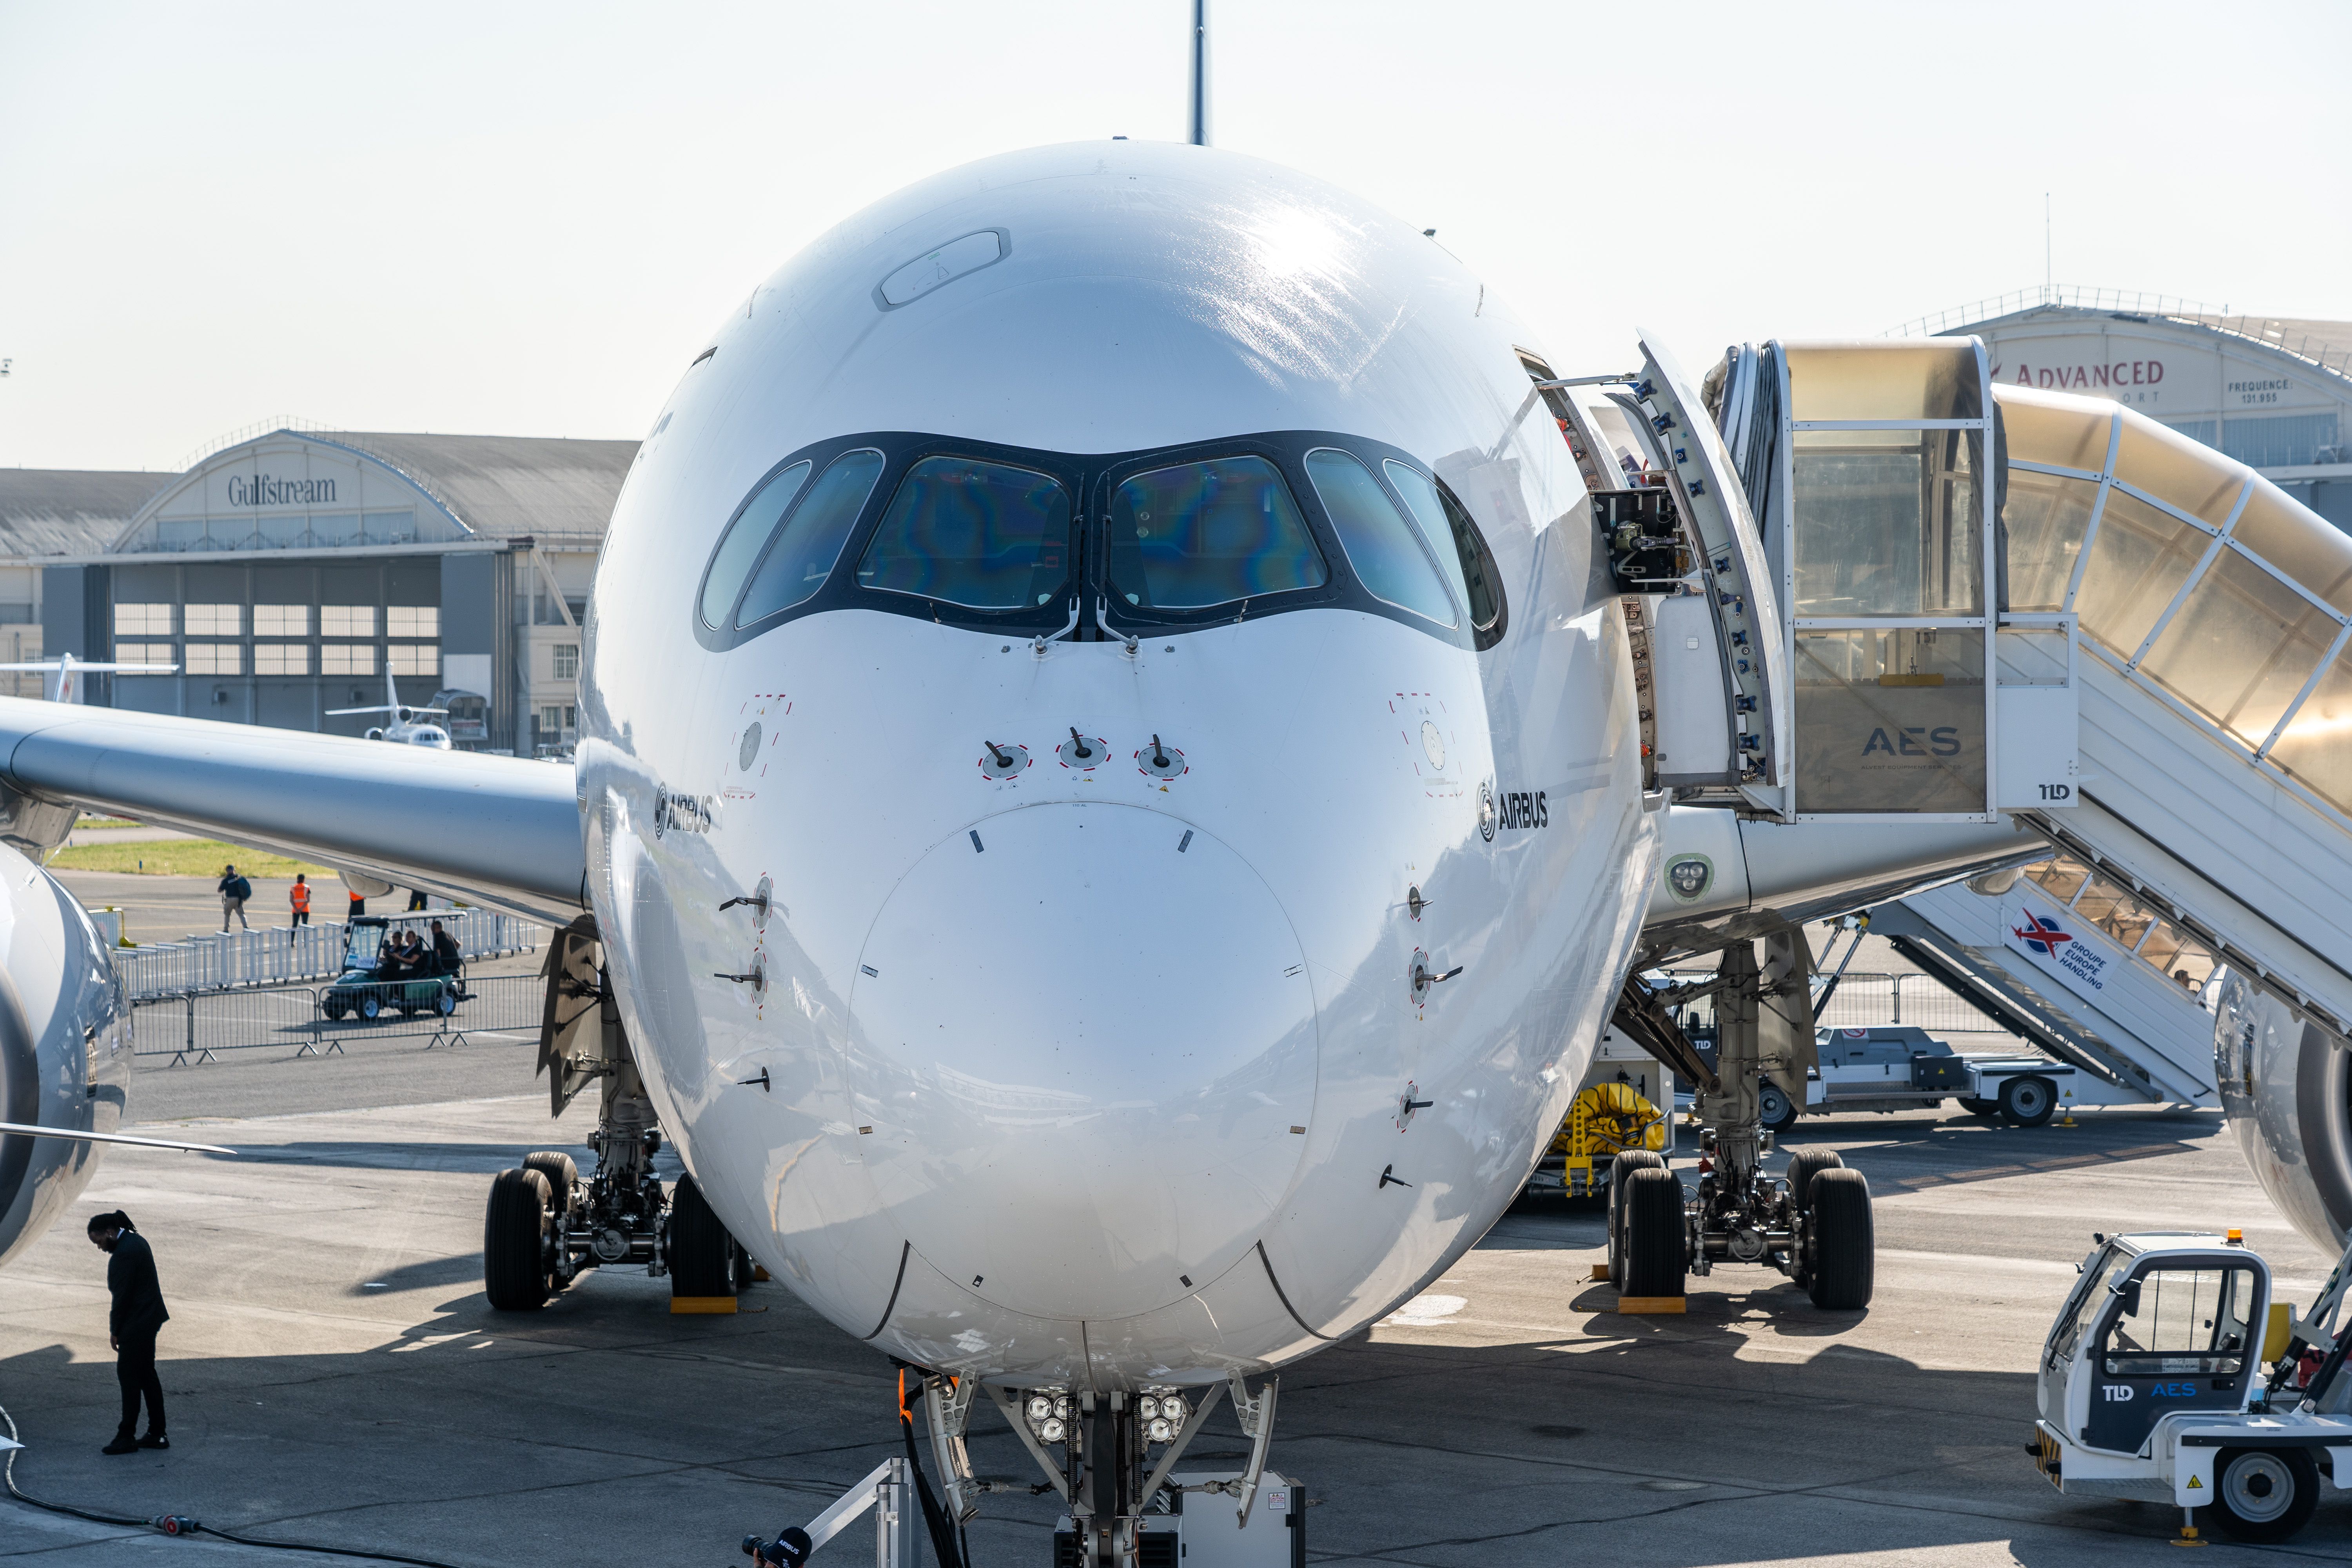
(298, 895)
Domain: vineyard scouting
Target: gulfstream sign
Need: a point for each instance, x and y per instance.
(264, 491)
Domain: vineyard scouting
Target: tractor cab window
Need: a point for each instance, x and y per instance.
(2182, 1320)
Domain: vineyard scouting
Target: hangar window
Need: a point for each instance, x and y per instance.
(986, 536)
(215, 620)
(215, 658)
(1207, 533)
(1470, 566)
(142, 620)
(415, 658)
(144, 653)
(347, 658)
(739, 547)
(802, 555)
(1387, 554)
(347, 620)
(281, 620)
(281, 659)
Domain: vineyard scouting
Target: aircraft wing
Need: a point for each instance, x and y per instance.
(25, 1130)
(500, 831)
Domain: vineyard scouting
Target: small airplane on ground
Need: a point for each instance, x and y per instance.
(406, 729)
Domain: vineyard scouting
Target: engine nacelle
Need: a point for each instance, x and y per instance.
(2287, 1087)
(65, 1048)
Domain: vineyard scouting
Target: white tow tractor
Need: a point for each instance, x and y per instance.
(1896, 1067)
(2153, 1385)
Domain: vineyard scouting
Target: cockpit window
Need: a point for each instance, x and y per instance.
(987, 536)
(740, 547)
(1470, 564)
(805, 547)
(1084, 547)
(1381, 546)
(1213, 532)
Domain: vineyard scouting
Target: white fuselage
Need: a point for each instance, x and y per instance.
(1091, 1073)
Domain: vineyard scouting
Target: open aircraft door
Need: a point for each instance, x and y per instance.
(1710, 652)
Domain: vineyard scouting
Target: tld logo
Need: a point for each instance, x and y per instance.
(2115, 1393)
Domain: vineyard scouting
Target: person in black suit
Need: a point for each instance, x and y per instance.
(138, 1314)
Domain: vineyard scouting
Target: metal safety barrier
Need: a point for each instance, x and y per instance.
(279, 955)
(1865, 1001)
(318, 1020)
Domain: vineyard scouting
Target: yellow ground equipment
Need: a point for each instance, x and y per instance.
(1603, 1121)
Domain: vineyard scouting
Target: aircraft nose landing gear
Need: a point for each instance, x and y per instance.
(1814, 1225)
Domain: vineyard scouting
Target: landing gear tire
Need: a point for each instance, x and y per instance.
(2264, 1494)
(1654, 1233)
(1775, 1110)
(1844, 1245)
(515, 1235)
(1982, 1110)
(701, 1253)
(560, 1172)
(1805, 1161)
(1621, 1171)
(2028, 1101)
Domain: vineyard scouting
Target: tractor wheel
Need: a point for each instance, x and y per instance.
(2028, 1101)
(1621, 1171)
(1777, 1112)
(701, 1253)
(2264, 1494)
(1844, 1246)
(515, 1273)
(1655, 1259)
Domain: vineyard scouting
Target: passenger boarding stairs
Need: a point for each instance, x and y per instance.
(2129, 644)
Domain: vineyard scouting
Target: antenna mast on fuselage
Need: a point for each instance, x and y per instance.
(1198, 103)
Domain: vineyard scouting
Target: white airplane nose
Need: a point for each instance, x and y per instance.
(1124, 995)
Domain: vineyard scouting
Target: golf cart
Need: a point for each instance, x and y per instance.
(374, 982)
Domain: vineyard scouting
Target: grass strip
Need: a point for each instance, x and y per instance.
(181, 857)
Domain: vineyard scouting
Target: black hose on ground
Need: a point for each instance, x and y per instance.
(184, 1526)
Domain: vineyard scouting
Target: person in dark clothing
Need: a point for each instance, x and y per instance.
(446, 957)
(132, 1326)
(416, 897)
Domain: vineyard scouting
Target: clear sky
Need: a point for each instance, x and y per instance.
(515, 218)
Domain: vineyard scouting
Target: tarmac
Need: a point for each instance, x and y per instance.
(335, 1377)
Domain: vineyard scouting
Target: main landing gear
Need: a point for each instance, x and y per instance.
(546, 1224)
(1813, 1224)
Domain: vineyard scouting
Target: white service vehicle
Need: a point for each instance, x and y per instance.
(1899, 1067)
(2151, 1385)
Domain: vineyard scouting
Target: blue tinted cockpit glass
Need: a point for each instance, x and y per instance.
(987, 536)
(805, 548)
(1201, 534)
(1421, 499)
(1381, 545)
(732, 562)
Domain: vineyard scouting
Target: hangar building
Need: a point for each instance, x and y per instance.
(288, 573)
(2275, 393)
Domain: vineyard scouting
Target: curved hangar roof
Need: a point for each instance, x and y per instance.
(311, 490)
(2274, 392)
